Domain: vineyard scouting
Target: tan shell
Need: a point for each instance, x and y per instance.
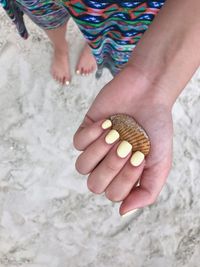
(132, 132)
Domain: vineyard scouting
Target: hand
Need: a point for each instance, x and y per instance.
(117, 177)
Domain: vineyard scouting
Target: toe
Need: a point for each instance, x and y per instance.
(90, 71)
(78, 72)
(56, 78)
(67, 82)
(60, 80)
(82, 72)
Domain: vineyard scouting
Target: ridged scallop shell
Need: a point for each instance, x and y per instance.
(132, 132)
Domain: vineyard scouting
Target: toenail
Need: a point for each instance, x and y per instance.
(124, 149)
(78, 72)
(111, 137)
(106, 124)
(137, 158)
(67, 82)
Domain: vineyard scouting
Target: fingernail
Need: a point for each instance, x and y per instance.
(78, 72)
(112, 136)
(106, 124)
(124, 149)
(129, 213)
(67, 82)
(137, 158)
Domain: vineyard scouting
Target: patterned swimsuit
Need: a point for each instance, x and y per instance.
(111, 28)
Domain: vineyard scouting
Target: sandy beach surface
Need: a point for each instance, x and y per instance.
(48, 217)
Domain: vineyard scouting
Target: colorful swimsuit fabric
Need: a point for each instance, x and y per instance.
(47, 14)
(16, 15)
(112, 28)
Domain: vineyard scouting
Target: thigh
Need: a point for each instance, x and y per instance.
(48, 14)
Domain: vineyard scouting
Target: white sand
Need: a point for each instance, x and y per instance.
(48, 218)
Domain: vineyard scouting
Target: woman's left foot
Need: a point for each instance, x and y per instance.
(87, 63)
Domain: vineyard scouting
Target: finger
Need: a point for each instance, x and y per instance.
(124, 181)
(151, 183)
(85, 135)
(95, 152)
(109, 167)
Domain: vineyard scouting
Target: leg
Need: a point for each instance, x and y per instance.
(60, 63)
(52, 18)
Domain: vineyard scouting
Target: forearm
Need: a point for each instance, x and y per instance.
(169, 52)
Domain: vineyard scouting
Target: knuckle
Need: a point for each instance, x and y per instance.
(92, 187)
(80, 169)
(112, 197)
(127, 177)
(111, 166)
(76, 143)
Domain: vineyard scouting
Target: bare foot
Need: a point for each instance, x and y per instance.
(60, 66)
(87, 63)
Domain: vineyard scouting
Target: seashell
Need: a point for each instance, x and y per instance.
(132, 132)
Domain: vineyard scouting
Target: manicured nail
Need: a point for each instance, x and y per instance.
(124, 149)
(78, 72)
(137, 158)
(67, 82)
(129, 213)
(111, 137)
(106, 124)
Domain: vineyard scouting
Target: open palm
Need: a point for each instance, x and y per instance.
(116, 176)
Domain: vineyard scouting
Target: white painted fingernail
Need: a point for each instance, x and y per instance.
(106, 124)
(112, 136)
(124, 149)
(137, 158)
(129, 213)
(78, 72)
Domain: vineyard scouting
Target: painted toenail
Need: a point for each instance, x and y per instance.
(106, 124)
(78, 72)
(67, 82)
(137, 158)
(124, 149)
(111, 137)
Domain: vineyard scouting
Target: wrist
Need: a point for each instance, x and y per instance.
(147, 87)
(168, 56)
